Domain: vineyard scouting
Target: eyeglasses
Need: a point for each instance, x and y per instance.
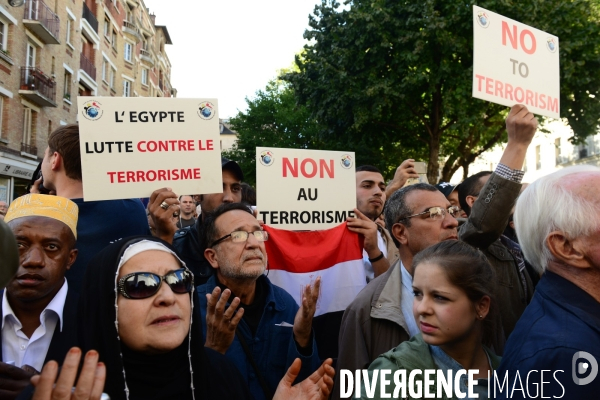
(437, 213)
(141, 285)
(242, 236)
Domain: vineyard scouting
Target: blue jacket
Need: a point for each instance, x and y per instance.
(273, 346)
(561, 320)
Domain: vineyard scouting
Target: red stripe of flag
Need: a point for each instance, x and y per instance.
(311, 251)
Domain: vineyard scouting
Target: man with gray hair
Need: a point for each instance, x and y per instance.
(557, 223)
(420, 216)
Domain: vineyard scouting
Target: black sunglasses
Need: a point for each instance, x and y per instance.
(141, 285)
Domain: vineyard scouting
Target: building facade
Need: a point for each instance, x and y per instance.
(548, 152)
(53, 51)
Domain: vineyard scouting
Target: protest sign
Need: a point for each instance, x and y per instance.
(304, 189)
(515, 63)
(133, 146)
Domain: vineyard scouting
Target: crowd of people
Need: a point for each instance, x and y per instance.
(167, 297)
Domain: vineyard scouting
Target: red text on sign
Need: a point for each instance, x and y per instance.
(177, 174)
(512, 36)
(152, 146)
(516, 93)
(308, 168)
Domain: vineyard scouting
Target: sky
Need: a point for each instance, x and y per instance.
(229, 49)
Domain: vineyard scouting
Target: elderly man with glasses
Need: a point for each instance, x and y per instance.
(256, 324)
(419, 216)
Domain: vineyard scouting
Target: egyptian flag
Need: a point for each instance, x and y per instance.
(296, 259)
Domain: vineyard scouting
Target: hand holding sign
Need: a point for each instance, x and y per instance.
(163, 203)
(521, 126)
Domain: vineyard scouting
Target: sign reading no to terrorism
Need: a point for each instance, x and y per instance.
(304, 189)
(515, 63)
(132, 146)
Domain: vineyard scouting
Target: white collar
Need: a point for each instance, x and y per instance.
(57, 304)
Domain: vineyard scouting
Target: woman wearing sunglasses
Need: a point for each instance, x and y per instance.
(453, 287)
(139, 311)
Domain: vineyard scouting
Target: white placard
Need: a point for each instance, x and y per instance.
(515, 63)
(304, 189)
(131, 146)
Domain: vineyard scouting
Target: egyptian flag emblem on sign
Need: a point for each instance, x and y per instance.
(296, 259)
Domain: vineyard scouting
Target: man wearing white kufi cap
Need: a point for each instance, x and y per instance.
(38, 314)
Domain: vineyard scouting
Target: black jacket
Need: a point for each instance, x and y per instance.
(63, 340)
(191, 251)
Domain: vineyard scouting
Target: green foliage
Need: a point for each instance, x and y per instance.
(392, 79)
(273, 119)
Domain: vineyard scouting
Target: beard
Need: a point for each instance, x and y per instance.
(232, 270)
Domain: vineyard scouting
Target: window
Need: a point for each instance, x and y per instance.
(1, 114)
(113, 72)
(27, 126)
(126, 88)
(144, 76)
(67, 86)
(30, 64)
(3, 36)
(107, 28)
(557, 151)
(105, 70)
(70, 25)
(114, 39)
(30, 55)
(128, 51)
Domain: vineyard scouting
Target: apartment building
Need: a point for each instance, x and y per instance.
(53, 51)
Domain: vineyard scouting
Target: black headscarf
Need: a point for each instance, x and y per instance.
(162, 376)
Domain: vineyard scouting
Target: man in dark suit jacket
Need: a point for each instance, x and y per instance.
(38, 309)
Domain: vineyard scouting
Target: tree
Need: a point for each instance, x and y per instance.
(273, 119)
(391, 79)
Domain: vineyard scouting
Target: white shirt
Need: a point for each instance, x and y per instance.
(406, 302)
(369, 273)
(17, 348)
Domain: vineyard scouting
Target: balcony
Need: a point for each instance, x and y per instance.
(37, 87)
(87, 66)
(29, 149)
(40, 19)
(146, 56)
(89, 16)
(132, 30)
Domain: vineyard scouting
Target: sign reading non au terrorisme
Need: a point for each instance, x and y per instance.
(131, 146)
(304, 189)
(515, 63)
